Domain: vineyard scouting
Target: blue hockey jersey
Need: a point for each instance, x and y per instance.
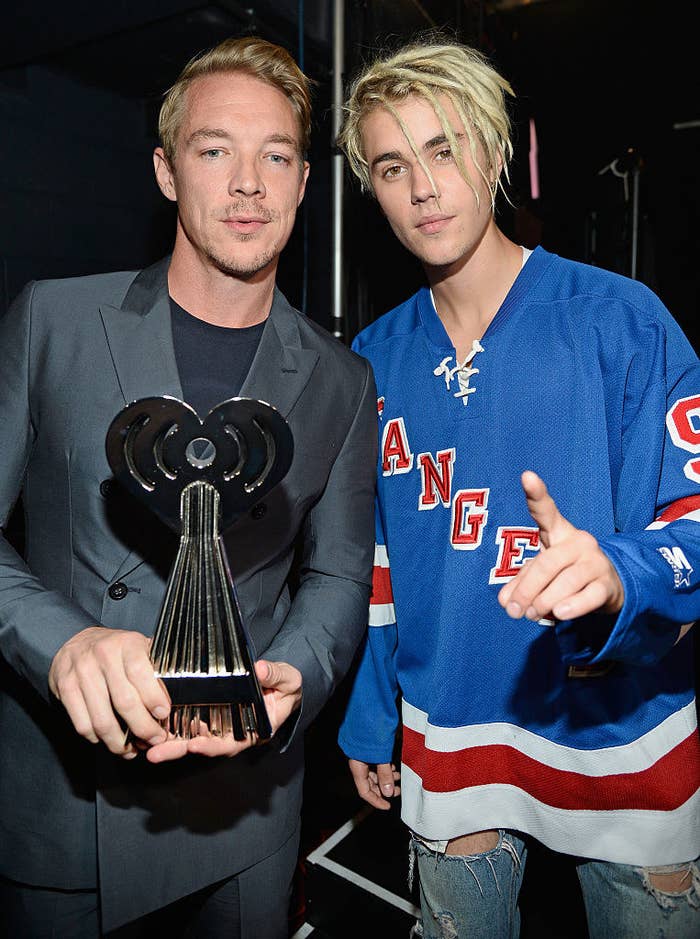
(583, 735)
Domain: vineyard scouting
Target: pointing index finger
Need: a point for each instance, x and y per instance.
(542, 507)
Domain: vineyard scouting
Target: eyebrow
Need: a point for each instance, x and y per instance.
(284, 138)
(217, 133)
(429, 145)
(208, 133)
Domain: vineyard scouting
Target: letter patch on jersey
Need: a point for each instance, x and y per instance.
(512, 545)
(436, 483)
(396, 453)
(679, 565)
(683, 422)
(467, 523)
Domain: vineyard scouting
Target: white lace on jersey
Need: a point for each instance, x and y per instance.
(462, 372)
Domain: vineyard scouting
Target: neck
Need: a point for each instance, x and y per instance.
(216, 297)
(469, 292)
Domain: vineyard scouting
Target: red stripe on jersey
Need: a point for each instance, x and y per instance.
(664, 786)
(680, 508)
(381, 586)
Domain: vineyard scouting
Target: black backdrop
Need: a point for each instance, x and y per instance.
(80, 85)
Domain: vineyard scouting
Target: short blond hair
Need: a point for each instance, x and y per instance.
(431, 68)
(257, 57)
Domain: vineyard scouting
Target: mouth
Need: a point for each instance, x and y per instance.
(245, 223)
(432, 224)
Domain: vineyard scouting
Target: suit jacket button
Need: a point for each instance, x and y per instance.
(118, 591)
(106, 486)
(259, 511)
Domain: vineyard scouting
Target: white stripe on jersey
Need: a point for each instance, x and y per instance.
(381, 614)
(632, 757)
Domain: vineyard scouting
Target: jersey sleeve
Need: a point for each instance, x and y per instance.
(369, 726)
(659, 562)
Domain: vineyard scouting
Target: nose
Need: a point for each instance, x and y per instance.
(421, 187)
(246, 180)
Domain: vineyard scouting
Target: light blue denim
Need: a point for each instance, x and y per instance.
(621, 901)
(476, 896)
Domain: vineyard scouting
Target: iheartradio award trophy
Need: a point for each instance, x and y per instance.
(199, 477)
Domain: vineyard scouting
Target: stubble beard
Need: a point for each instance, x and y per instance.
(226, 261)
(233, 267)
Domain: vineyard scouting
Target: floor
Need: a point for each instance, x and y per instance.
(354, 867)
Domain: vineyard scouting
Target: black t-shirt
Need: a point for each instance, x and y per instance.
(212, 361)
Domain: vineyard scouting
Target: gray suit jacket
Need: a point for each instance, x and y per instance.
(72, 354)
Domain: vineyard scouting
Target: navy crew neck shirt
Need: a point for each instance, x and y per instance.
(212, 361)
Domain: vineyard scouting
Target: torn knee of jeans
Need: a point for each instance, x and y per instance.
(446, 924)
(672, 882)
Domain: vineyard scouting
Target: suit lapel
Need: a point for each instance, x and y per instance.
(140, 338)
(139, 335)
(281, 368)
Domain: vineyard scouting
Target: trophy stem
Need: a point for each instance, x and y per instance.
(199, 648)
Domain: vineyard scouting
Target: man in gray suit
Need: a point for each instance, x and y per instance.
(96, 833)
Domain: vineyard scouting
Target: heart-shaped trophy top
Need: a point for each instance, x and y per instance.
(158, 446)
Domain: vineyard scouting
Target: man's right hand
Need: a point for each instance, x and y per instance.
(375, 786)
(101, 671)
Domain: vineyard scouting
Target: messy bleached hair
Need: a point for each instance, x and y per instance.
(433, 68)
(257, 57)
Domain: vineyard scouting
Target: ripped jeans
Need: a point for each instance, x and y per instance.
(476, 897)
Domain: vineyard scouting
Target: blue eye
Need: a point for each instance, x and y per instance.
(212, 153)
(277, 158)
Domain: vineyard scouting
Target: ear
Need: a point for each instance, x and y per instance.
(165, 177)
(302, 181)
